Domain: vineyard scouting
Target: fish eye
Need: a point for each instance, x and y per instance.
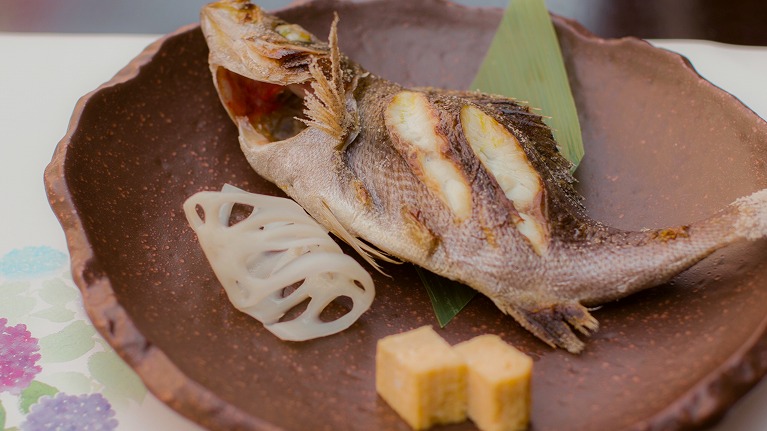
(293, 33)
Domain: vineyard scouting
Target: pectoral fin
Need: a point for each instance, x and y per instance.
(328, 108)
(366, 251)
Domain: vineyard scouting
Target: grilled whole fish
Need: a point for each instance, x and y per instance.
(467, 185)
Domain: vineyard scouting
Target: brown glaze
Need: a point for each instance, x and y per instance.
(664, 147)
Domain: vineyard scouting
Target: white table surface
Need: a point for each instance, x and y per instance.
(41, 78)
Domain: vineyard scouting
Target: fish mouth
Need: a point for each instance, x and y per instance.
(265, 112)
(260, 66)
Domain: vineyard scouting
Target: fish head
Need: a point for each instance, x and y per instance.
(260, 66)
(258, 45)
(266, 72)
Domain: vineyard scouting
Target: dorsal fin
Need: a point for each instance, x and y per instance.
(325, 108)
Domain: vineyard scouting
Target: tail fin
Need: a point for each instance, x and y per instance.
(663, 254)
(751, 222)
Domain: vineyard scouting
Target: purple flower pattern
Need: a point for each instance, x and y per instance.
(64, 412)
(18, 357)
(45, 408)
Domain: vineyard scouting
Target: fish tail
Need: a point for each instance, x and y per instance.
(666, 252)
(662, 254)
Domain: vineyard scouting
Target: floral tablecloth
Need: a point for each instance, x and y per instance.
(56, 372)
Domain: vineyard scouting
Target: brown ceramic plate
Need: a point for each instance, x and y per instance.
(664, 147)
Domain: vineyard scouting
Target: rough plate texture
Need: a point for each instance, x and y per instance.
(663, 147)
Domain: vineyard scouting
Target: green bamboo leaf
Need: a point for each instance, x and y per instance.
(33, 393)
(70, 343)
(525, 62)
(447, 297)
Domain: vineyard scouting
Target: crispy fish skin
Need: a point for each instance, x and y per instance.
(467, 185)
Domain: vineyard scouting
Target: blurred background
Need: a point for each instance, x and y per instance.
(731, 21)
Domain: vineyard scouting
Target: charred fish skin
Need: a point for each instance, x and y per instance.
(467, 185)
